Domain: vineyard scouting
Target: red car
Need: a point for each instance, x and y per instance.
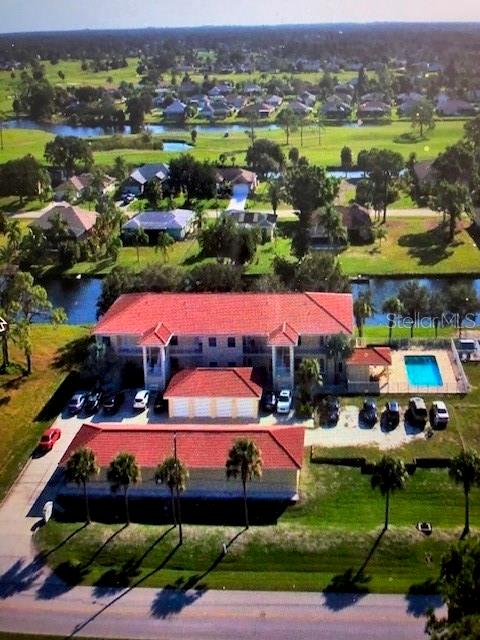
(50, 436)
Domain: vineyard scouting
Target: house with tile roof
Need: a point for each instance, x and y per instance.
(136, 181)
(367, 369)
(77, 185)
(79, 222)
(202, 448)
(177, 223)
(166, 332)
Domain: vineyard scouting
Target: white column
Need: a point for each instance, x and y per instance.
(162, 363)
(292, 367)
(274, 366)
(145, 372)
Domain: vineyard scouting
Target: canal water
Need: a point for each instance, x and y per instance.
(79, 296)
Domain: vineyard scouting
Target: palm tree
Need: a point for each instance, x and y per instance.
(338, 346)
(334, 227)
(139, 238)
(309, 376)
(465, 469)
(362, 309)
(393, 307)
(173, 473)
(123, 472)
(13, 233)
(164, 242)
(81, 466)
(274, 194)
(287, 119)
(381, 233)
(415, 300)
(244, 460)
(320, 124)
(389, 474)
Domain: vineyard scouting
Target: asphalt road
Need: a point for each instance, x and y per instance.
(212, 615)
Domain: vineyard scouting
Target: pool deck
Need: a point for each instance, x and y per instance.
(398, 380)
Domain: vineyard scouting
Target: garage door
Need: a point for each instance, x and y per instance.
(201, 407)
(224, 407)
(178, 408)
(246, 408)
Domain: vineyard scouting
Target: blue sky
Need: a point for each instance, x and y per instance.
(39, 15)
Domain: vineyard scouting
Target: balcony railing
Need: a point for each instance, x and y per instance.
(186, 351)
(130, 351)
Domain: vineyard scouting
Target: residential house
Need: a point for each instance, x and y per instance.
(175, 110)
(224, 392)
(232, 176)
(79, 222)
(307, 98)
(165, 332)
(412, 96)
(76, 186)
(187, 88)
(177, 223)
(221, 89)
(299, 108)
(203, 449)
(264, 222)
(336, 108)
(137, 180)
(374, 109)
(259, 109)
(356, 220)
(235, 101)
(455, 107)
(275, 101)
(251, 89)
(345, 88)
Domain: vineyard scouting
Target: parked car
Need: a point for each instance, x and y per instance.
(368, 413)
(417, 411)
(392, 414)
(269, 400)
(332, 407)
(160, 404)
(92, 403)
(284, 401)
(49, 438)
(439, 414)
(77, 401)
(141, 399)
(113, 401)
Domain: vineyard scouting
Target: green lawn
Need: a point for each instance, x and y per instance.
(18, 142)
(332, 532)
(414, 245)
(22, 398)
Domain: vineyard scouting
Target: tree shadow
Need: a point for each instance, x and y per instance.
(66, 575)
(20, 577)
(173, 598)
(43, 555)
(73, 353)
(103, 545)
(139, 560)
(422, 597)
(99, 591)
(364, 564)
(345, 590)
(429, 247)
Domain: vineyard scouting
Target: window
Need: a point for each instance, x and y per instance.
(174, 341)
(212, 342)
(299, 341)
(213, 364)
(322, 365)
(106, 341)
(321, 341)
(231, 342)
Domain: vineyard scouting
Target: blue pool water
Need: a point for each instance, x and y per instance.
(423, 371)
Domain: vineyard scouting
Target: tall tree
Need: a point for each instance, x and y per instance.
(288, 120)
(389, 475)
(164, 242)
(123, 472)
(274, 194)
(174, 474)
(265, 157)
(362, 309)
(462, 300)
(320, 124)
(346, 159)
(139, 239)
(422, 115)
(393, 307)
(465, 470)
(81, 466)
(25, 178)
(415, 301)
(452, 199)
(309, 377)
(244, 461)
(383, 168)
(69, 153)
(339, 347)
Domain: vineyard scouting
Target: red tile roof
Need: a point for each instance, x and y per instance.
(283, 336)
(375, 356)
(228, 382)
(79, 221)
(235, 314)
(159, 335)
(198, 446)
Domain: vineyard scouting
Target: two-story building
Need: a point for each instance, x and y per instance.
(273, 332)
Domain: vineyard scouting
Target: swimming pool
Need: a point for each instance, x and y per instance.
(423, 371)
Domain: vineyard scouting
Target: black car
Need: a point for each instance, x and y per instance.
(332, 409)
(92, 403)
(113, 401)
(160, 404)
(368, 413)
(392, 414)
(269, 400)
